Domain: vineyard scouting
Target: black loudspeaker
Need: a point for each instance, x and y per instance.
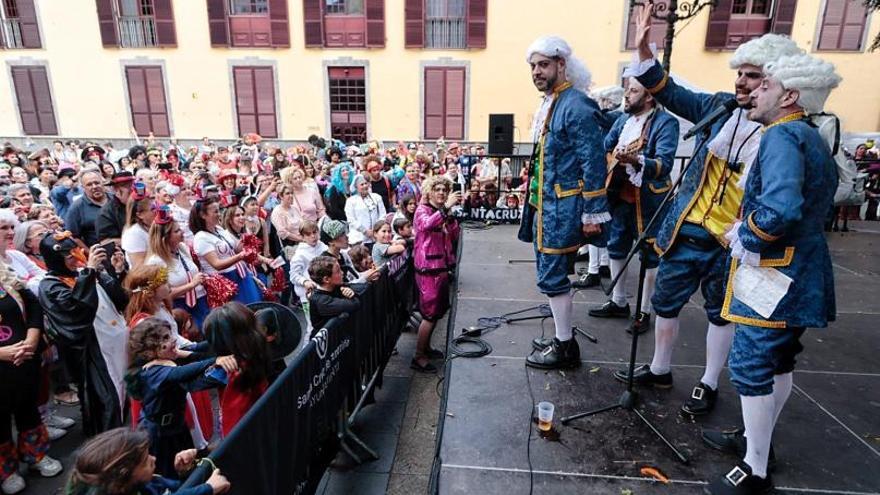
(500, 133)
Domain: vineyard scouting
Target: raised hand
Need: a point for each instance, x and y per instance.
(643, 31)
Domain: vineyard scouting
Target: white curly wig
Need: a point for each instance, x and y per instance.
(761, 51)
(811, 77)
(575, 70)
(613, 94)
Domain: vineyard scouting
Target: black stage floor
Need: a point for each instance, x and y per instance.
(827, 440)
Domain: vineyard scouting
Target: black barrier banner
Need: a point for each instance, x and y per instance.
(286, 441)
(500, 215)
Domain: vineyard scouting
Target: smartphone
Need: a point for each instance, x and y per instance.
(109, 247)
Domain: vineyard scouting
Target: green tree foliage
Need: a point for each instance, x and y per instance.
(874, 5)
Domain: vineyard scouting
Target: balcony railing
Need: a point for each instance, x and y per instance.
(10, 30)
(137, 32)
(445, 32)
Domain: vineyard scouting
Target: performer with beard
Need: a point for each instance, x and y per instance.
(778, 239)
(83, 308)
(691, 239)
(641, 151)
(566, 194)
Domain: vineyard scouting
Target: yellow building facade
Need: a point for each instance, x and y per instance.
(90, 96)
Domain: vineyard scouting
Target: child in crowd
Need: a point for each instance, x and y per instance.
(306, 251)
(385, 247)
(362, 259)
(147, 289)
(331, 297)
(402, 228)
(118, 462)
(232, 329)
(334, 234)
(155, 379)
(185, 325)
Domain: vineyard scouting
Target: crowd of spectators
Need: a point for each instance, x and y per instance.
(125, 276)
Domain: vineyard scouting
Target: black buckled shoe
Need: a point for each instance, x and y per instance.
(435, 354)
(701, 402)
(558, 355)
(610, 310)
(587, 281)
(640, 324)
(740, 481)
(605, 271)
(734, 442)
(644, 376)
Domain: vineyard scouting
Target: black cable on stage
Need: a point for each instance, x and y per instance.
(457, 347)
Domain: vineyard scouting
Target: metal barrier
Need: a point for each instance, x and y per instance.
(289, 437)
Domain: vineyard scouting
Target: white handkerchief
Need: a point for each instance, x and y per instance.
(760, 288)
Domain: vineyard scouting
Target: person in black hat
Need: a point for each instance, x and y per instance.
(83, 309)
(92, 154)
(138, 154)
(111, 220)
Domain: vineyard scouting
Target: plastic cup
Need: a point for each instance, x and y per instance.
(545, 416)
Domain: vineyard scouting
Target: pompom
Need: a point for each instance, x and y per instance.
(220, 290)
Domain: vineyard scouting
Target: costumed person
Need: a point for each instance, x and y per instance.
(111, 219)
(83, 309)
(433, 258)
(21, 324)
(641, 152)
(609, 99)
(161, 385)
(691, 239)
(565, 198)
(119, 462)
(779, 237)
(337, 193)
(232, 330)
(362, 210)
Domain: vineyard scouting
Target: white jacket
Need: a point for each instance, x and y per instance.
(361, 214)
(299, 266)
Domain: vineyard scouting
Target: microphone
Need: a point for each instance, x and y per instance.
(722, 111)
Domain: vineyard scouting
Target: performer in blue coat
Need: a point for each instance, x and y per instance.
(780, 278)
(566, 194)
(641, 150)
(691, 239)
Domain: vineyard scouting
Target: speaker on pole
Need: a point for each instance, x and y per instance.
(500, 133)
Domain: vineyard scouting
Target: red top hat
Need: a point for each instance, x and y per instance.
(163, 215)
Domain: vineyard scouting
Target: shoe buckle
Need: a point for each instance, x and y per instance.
(547, 350)
(698, 393)
(736, 476)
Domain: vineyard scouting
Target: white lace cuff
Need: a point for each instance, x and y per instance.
(635, 178)
(737, 250)
(638, 67)
(595, 218)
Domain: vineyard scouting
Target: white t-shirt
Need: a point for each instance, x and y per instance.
(222, 243)
(181, 216)
(134, 240)
(177, 272)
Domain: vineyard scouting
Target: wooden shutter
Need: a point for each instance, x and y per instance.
(444, 102)
(783, 18)
(279, 25)
(719, 22)
(843, 25)
(34, 100)
(255, 100)
(375, 11)
(218, 27)
(476, 23)
(163, 14)
(658, 27)
(107, 23)
(30, 29)
(313, 23)
(146, 95)
(414, 24)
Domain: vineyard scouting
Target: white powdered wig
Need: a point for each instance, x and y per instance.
(614, 94)
(763, 50)
(575, 71)
(811, 77)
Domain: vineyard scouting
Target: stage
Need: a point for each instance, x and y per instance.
(827, 439)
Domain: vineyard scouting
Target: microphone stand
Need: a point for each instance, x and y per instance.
(629, 398)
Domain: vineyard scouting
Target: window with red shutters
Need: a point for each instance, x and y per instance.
(843, 25)
(34, 99)
(444, 102)
(18, 24)
(344, 23)
(248, 23)
(445, 24)
(255, 100)
(136, 23)
(146, 97)
(733, 22)
(348, 104)
(658, 26)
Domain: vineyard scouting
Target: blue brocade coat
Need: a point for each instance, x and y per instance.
(572, 178)
(659, 152)
(692, 107)
(788, 194)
